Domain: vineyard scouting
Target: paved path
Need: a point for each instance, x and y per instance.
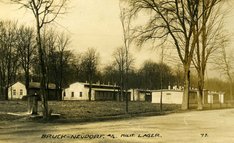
(215, 126)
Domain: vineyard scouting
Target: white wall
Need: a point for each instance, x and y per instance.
(79, 87)
(168, 96)
(76, 88)
(176, 97)
(14, 91)
(221, 97)
(211, 97)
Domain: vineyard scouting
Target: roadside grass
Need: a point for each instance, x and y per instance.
(85, 110)
(96, 110)
(13, 106)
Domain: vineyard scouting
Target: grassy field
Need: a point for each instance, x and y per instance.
(85, 110)
(94, 110)
(82, 109)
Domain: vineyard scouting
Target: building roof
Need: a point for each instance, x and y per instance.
(167, 90)
(176, 90)
(37, 85)
(97, 85)
(101, 89)
(18, 82)
(141, 90)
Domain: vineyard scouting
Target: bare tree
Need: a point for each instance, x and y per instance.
(51, 59)
(63, 56)
(211, 26)
(56, 56)
(45, 12)
(8, 55)
(90, 64)
(49, 39)
(161, 80)
(217, 84)
(151, 76)
(27, 51)
(224, 63)
(125, 18)
(123, 65)
(110, 73)
(119, 56)
(174, 21)
(77, 67)
(178, 75)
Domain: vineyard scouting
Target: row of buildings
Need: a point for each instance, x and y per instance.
(101, 92)
(18, 91)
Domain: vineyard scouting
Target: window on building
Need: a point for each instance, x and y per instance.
(14, 92)
(80, 94)
(72, 94)
(21, 91)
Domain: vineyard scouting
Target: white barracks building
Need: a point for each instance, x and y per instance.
(99, 92)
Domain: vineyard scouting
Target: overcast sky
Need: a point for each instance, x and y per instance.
(92, 23)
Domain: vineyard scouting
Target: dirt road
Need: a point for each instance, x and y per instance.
(215, 126)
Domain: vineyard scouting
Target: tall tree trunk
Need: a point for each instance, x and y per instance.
(42, 73)
(43, 85)
(121, 84)
(6, 92)
(90, 92)
(90, 89)
(161, 92)
(1, 84)
(185, 101)
(200, 91)
(126, 90)
(230, 87)
(202, 58)
(231, 95)
(27, 67)
(126, 78)
(27, 80)
(61, 76)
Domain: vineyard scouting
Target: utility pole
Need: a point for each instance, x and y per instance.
(161, 80)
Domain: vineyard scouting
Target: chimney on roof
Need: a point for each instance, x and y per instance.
(169, 87)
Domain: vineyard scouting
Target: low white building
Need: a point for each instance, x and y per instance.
(168, 96)
(17, 91)
(79, 91)
(215, 97)
(175, 96)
